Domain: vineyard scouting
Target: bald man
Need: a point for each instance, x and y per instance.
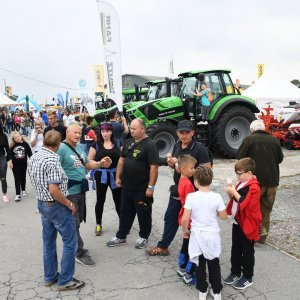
(75, 162)
(137, 173)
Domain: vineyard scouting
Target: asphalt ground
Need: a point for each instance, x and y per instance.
(125, 272)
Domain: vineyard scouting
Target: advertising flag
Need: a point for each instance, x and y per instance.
(110, 27)
(260, 70)
(99, 78)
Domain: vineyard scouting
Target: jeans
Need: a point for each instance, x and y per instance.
(58, 218)
(3, 171)
(171, 223)
(204, 112)
(132, 203)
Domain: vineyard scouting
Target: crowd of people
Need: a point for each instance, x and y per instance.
(64, 155)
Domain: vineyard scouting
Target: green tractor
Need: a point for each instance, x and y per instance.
(230, 113)
(131, 99)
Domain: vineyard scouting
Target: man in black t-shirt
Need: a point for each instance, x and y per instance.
(53, 125)
(137, 173)
(185, 145)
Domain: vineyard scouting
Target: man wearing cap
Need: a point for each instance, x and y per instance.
(185, 145)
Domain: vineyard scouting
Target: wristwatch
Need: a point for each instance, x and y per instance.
(151, 187)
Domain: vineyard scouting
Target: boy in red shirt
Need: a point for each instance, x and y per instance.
(244, 206)
(186, 167)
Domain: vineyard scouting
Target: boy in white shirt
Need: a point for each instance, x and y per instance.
(203, 208)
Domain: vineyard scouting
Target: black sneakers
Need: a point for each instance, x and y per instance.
(85, 260)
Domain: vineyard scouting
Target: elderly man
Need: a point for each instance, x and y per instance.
(74, 162)
(53, 125)
(186, 145)
(137, 173)
(267, 154)
(50, 183)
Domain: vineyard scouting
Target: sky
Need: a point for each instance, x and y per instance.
(59, 41)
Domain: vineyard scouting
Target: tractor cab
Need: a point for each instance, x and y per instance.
(136, 94)
(218, 82)
(156, 89)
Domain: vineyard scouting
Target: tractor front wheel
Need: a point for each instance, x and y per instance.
(231, 128)
(164, 136)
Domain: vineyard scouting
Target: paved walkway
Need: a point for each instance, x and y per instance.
(125, 272)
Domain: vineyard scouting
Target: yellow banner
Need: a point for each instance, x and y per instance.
(99, 78)
(260, 70)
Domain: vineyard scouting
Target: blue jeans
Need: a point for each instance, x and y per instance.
(58, 218)
(171, 223)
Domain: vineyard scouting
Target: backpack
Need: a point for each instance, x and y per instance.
(210, 97)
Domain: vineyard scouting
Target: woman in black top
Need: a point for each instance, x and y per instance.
(4, 161)
(20, 151)
(104, 178)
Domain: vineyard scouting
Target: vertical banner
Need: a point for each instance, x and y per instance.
(112, 51)
(171, 67)
(260, 70)
(99, 78)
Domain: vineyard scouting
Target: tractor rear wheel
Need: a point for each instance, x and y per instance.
(164, 136)
(231, 128)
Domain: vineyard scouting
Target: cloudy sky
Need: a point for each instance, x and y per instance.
(58, 41)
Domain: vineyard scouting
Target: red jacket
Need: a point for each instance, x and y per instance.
(248, 214)
(185, 187)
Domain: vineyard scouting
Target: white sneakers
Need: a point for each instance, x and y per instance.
(18, 198)
(24, 193)
(202, 296)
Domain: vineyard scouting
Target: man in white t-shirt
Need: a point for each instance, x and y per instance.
(68, 118)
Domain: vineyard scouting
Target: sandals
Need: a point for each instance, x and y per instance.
(158, 251)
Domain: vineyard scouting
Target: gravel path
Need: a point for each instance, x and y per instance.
(285, 220)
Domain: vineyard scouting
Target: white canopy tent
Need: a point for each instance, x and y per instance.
(5, 101)
(274, 89)
(272, 86)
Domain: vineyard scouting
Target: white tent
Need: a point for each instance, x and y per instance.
(272, 86)
(5, 101)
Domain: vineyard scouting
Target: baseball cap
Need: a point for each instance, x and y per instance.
(185, 125)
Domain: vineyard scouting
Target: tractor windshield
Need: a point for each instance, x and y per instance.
(157, 91)
(188, 87)
(175, 88)
(228, 84)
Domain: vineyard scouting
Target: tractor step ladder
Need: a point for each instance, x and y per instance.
(203, 134)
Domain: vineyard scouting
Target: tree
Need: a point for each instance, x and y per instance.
(296, 82)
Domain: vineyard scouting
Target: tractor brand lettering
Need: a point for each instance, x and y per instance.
(106, 28)
(166, 113)
(110, 73)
